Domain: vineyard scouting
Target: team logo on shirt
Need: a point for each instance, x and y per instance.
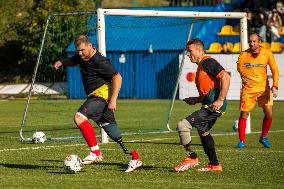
(249, 65)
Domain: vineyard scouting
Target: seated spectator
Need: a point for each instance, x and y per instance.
(225, 49)
(274, 24)
(260, 20)
(250, 21)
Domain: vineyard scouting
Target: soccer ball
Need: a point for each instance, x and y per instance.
(72, 164)
(235, 125)
(38, 137)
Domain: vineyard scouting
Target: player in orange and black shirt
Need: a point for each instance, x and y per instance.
(252, 66)
(212, 82)
(102, 84)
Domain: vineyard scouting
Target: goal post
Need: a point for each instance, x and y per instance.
(42, 89)
(183, 14)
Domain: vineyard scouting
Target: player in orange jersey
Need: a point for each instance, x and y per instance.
(252, 66)
(212, 82)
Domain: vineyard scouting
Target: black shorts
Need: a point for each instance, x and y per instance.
(96, 108)
(203, 119)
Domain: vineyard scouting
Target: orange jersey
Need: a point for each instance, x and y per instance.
(253, 70)
(208, 74)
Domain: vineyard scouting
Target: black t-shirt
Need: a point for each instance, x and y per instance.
(212, 67)
(95, 72)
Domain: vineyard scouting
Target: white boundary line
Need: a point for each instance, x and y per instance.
(132, 141)
(118, 149)
(226, 134)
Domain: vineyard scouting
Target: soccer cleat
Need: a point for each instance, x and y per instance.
(133, 164)
(211, 167)
(241, 144)
(187, 164)
(264, 140)
(92, 158)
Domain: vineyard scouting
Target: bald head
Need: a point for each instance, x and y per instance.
(254, 42)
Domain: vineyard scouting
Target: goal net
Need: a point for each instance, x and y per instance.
(148, 49)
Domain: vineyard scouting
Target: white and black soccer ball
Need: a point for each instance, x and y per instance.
(38, 137)
(72, 164)
(235, 125)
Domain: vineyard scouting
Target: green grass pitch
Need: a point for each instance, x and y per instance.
(26, 165)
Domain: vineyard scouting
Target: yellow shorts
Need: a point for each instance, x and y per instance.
(249, 99)
(104, 92)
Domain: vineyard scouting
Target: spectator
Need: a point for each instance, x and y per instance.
(225, 49)
(274, 24)
(250, 21)
(280, 9)
(260, 20)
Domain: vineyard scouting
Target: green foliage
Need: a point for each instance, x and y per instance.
(33, 26)
(23, 21)
(11, 12)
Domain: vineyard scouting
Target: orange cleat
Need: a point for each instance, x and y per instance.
(211, 167)
(187, 164)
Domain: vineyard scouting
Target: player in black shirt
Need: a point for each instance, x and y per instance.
(102, 84)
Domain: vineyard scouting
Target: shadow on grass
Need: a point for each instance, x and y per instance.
(110, 166)
(123, 166)
(64, 173)
(39, 167)
(25, 166)
(8, 132)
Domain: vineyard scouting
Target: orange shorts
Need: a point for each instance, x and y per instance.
(248, 100)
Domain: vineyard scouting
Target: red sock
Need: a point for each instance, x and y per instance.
(134, 155)
(242, 129)
(266, 126)
(95, 150)
(88, 133)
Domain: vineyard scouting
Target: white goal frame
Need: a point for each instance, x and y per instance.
(101, 13)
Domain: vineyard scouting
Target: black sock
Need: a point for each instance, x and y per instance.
(209, 149)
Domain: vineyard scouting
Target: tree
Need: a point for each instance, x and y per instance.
(22, 25)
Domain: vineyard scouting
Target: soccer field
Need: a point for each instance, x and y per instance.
(26, 165)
